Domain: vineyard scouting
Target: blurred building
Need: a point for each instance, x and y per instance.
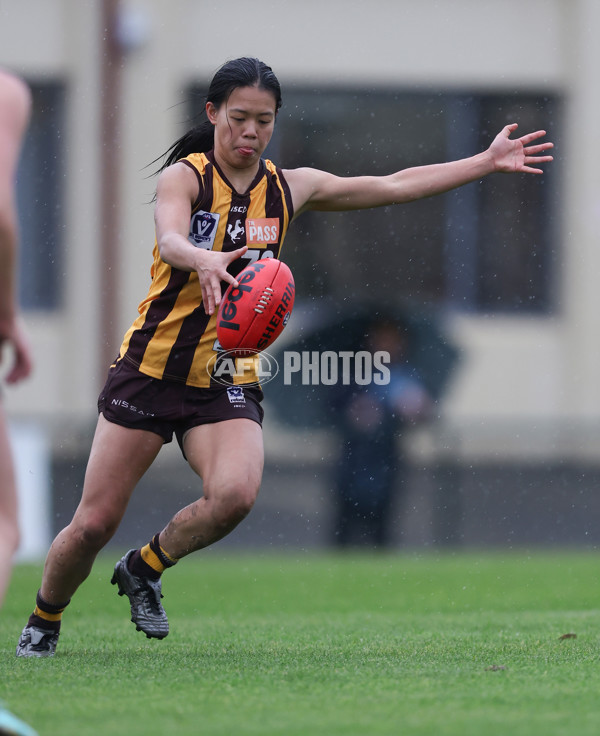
(512, 264)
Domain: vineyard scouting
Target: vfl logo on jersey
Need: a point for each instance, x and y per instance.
(263, 231)
(203, 229)
(234, 231)
(236, 395)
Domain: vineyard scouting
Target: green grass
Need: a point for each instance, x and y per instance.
(311, 645)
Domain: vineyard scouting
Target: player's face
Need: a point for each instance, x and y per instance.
(243, 125)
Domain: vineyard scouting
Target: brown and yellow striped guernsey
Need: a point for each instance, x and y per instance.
(173, 338)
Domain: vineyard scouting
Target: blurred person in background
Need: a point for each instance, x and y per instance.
(372, 422)
(15, 104)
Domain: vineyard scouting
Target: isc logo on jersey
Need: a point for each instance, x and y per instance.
(262, 231)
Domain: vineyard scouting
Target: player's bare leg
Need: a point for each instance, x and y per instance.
(229, 457)
(118, 459)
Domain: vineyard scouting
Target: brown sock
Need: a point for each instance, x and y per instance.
(150, 561)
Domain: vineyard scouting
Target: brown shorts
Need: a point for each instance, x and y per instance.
(135, 400)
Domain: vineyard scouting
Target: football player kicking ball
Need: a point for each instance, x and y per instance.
(214, 194)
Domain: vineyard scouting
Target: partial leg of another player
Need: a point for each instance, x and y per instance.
(9, 531)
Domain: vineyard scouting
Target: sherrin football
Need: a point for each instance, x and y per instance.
(252, 315)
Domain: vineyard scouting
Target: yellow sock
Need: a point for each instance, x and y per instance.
(156, 557)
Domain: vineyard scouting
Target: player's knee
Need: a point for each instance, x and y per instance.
(95, 531)
(234, 505)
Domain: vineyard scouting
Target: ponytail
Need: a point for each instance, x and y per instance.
(200, 139)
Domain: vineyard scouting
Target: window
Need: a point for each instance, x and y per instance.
(39, 197)
(486, 247)
(499, 243)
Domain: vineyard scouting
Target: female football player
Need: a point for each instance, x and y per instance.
(212, 193)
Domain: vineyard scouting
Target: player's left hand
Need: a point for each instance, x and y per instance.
(516, 155)
(14, 335)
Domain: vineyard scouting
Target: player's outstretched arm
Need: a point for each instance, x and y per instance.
(319, 190)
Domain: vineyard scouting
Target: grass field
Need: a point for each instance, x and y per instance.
(308, 645)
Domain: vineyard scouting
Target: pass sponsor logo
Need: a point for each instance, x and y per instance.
(262, 231)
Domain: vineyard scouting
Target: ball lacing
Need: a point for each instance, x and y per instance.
(264, 300)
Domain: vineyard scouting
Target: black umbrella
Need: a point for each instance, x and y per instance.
(336, 329)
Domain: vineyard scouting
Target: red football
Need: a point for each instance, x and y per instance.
(252, 315)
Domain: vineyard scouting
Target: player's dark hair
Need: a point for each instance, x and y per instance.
(243, 72)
